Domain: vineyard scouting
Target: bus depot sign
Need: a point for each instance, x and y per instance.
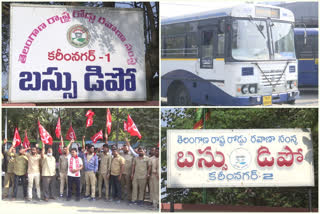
(70, 54)
(239, 158)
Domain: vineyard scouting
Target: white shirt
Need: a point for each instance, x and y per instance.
(74, 165)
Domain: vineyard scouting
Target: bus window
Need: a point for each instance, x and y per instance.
(283, 40)
(206, 49)
(191, 48)
(220, 52)
(175, 46)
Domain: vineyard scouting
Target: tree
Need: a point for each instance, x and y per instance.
(243, 119)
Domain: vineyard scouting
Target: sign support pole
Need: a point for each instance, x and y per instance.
(204, 190)
(310, 199)
(172, 201)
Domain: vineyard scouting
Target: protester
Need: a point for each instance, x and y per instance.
(117, 168)
(63, 167)
(48, 173)
(139, 177)
(20, 172)
(9, 175)
(90, 167)
(104, 170)
(33, 172)
(74, 166)
(153, 171)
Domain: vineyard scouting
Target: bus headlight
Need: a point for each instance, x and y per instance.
(244, 89)
(253, 89)
(291, 84)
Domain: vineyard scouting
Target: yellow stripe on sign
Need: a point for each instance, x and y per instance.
(179, 59)
(306, 59)
(219, 59)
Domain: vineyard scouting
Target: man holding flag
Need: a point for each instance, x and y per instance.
(33, 172)
(105, 167)
(48, 173)
(20, 172)
(63, 167)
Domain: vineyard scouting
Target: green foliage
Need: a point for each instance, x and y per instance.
(242, 119)
(147, 121)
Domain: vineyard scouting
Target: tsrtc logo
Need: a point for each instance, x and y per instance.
(240, 158)
(78, 36)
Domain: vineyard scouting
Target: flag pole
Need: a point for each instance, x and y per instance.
(204, 190)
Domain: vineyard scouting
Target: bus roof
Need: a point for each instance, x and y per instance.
(242, 10)
(310, 31)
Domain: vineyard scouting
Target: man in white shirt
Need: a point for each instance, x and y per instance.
(75, 164)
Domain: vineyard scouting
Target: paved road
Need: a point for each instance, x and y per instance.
(70, 207)
(307, 98)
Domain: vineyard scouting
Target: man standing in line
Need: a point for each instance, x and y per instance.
(48, 173)
(117, 168)
(139, 176)
(90, 167)
(33, 172)
(105, 167)
(74, 167)
(154, 179)
(63, 167)
(20, 172)
(9, 175)
(126, 183)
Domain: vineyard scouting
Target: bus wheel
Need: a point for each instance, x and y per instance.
(291, 102)
(181, 97)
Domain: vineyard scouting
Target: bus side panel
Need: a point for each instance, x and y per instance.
(201, 91)
(307, 73)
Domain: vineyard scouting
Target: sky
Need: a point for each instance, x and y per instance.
(177, 8)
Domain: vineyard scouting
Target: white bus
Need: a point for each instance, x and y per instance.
(242, 55)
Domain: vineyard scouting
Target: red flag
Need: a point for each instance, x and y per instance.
(16, 138)
(58, 129)
(71, 134)
(97, 136)
(89, 116)
(44, 135)
(109, 120)
(125, 126)
(26, 143)
(132, 128)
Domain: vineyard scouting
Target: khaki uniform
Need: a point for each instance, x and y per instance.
(63, 171)
(105, 167)
(9, 176)
(48, 175)
(140, 177)
(33, 173)
(154, 181)
(20, 165)
(126, 182)
(116, 165)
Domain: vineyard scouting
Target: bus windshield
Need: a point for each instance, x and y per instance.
(283, 41)
(249, 40)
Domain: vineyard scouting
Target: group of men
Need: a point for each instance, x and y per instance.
(124, 172)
